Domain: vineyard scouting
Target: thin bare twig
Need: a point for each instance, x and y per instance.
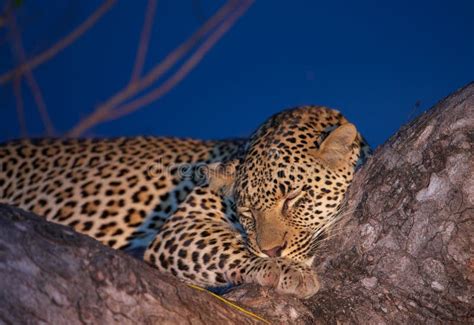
(102, 112)
(59, 46)
(144, 40)
(172, 58)
(39, 100)
(20, 107)
(30, 79)
(184, 69)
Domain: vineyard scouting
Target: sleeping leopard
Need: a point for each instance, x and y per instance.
(213, 213)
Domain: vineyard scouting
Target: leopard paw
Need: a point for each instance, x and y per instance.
(287, 277)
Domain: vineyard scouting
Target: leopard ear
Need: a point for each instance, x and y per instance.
(221, 176)
(336, 148)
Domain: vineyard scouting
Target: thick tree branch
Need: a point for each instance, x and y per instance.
(50, 274)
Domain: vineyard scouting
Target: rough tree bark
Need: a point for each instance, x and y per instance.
(405, 253)
(51, 275)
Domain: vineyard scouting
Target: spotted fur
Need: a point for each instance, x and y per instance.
(210, 212)
(119, 191)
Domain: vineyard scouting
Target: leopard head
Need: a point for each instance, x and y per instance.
(290, 185)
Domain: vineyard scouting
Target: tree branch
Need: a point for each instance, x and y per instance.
(184, 70)
(59, 46)
(144, 40)
(30, 79)
(102, 112)
(50, 274)
(20, 108)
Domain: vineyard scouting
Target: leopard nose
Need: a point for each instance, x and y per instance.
(275, 251)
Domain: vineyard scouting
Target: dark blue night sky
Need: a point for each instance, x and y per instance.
(373, 60)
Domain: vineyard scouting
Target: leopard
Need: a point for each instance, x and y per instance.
(212, 213)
